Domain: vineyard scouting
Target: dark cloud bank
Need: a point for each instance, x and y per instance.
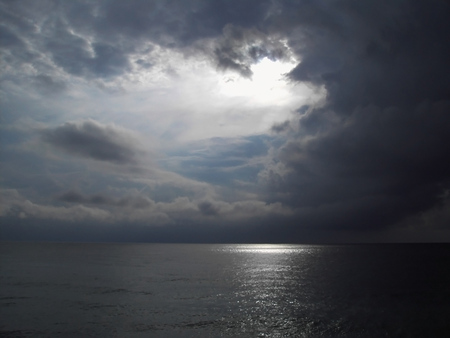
(377, 153)
(370, 164)
(95, 141)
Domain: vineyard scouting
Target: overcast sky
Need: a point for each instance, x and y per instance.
(225, 120)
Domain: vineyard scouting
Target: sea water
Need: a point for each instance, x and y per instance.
(199, 290)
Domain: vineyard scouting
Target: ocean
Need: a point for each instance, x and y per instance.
(235, 290)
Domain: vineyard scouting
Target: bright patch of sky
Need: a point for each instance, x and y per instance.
(178, 98)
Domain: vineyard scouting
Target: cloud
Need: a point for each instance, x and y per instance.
(363, 60)
(240, 48)
(93, 140)
(46, 84)
(9, 39)
(379, 137)
(131, 201)
(221, 161)
(280, 127)
(135, 208)
(367, 158)
(207, 208)
(15, 205)
(99, 40)
(78, 56)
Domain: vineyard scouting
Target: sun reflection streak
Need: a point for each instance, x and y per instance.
(265, 275)
(267, 248)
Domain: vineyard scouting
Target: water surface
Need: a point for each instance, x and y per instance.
(190, 290)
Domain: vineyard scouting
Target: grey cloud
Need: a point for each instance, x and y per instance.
(280, 127)
(96, 141)
(132, 201)
(77, 56)
(224, 149)
(8, 38)
(96, 39)
(240, 48)
(46, 84)
(68, 50)
(175, 23)
(108, 60)
(208, 209)
(76, 197)
(221, 160)
(15, 205)
(218, 14)
(139, 208)
(14, 50)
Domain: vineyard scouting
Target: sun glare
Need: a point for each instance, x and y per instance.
(267, 84)
(190, 99)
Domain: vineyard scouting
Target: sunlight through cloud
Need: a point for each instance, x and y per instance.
(266, 86)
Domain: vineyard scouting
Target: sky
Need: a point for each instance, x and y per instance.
(251, 121)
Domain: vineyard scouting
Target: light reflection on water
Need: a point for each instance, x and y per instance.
(266, 276)
(265, 248)
(162, 290)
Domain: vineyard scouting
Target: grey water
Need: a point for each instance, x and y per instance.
(200, 290)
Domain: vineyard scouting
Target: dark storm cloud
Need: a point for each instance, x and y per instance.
(377, 54)
(376, 152)
(93, 140)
